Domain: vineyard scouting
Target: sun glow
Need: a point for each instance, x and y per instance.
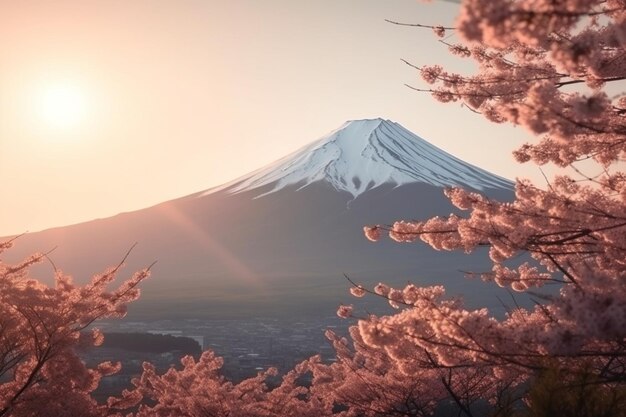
(63, 106)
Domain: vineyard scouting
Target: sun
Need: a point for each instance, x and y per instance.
(63, 106)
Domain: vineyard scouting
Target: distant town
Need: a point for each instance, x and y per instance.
(248, 346)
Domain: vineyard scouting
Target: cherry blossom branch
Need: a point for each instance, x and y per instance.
(434, 27)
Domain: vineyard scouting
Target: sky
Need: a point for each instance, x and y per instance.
(110, 106)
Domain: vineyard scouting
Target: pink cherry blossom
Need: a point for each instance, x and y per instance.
(344, 311)
(40, 329)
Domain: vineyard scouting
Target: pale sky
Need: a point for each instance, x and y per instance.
(115, 105)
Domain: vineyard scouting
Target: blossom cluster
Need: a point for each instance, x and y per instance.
(40, 329)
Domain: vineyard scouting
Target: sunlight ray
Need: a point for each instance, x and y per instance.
(236, 266)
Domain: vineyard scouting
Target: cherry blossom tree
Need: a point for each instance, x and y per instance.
(41, 328)
(198, 389)
(366, 381)
(555, 68)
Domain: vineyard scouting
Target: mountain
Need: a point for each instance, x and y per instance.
(278, 241)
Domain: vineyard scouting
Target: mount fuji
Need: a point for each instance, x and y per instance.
(278, 240)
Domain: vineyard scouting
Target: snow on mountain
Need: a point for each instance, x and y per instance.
(364, 154)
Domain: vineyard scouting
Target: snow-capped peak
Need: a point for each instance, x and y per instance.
(364, 154)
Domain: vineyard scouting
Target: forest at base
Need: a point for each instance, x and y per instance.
(151, 343)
